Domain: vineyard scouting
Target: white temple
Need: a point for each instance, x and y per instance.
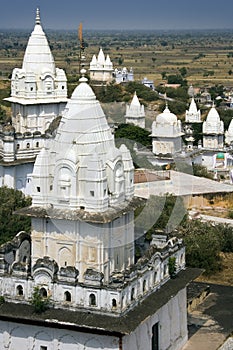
(213, 130)
(123, 75)
(81, 249)
(193, 115)
(229, 134)
(101, 68)
(166, 134)
(38, 89)
(38, 96)
(135, 113)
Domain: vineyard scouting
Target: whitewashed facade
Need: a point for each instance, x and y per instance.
(38, 96)
(166, 134)
(81, 250)
(101, 68)
(135, 113)
(193, 115)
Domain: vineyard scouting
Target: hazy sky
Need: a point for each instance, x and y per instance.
(118, 14)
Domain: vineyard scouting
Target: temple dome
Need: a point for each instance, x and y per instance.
(213, 116)
(166, 117)
(83, 92)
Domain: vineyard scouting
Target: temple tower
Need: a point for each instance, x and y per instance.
(135, 113)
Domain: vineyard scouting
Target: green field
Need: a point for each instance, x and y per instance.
(206, 55)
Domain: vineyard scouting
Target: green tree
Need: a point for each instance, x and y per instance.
(11, 224)
(133, 132)
(172, 266)
(203, 246)
(201, 171)
(176, 79)
(39, 302)
(183, 71)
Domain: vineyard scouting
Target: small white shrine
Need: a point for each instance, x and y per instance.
(135, 113)
(229, 134)
(166, 134)
(193, 115)
(101, 68)
(213, 130)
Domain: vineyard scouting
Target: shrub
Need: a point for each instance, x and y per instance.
(40, 303)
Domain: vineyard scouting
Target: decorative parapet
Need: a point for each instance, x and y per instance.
(68, 274)
(93, 277)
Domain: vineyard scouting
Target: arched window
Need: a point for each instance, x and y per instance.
(132, 294)
(114, 303)
(19, 290)
(144, 286)
(43, 292)
(67, 296)
(92, 300)
(155, 276)
(37, 144)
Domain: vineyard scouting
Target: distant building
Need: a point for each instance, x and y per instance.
(148, 83)
(193, 115)
(166, 134)
(135, 113)
(101, 68)
(123, 75)
(229, 134)
(213, 132)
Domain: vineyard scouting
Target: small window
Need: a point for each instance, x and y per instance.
(67, 296)
(144, 286)
(63, 87)
(82, 208)
(51, 187)
(37, 144)
(43, 292)
(18, 146)
(28, 145)
(132, 294)
(92, 193)
(155, 277)
(31, 88)
(114, 303)
(19, 290)
(105, 191)
(38, 189)
(92, 300)
(43, 348)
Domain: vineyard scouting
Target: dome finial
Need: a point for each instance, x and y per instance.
(37, 16)
(83, 79)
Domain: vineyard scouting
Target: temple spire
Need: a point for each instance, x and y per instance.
(37, 16)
